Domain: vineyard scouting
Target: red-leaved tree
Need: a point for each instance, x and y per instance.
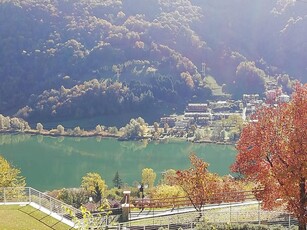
(273, 153)
(197, 182)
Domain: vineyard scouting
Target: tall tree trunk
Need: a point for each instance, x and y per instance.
(303, 212)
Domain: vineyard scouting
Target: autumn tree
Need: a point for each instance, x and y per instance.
(273, 153)
(249, 79)
(148, 177)
(156, 127)
(95, 185)
(113, 130)
(168, 193)
(6, 123)
(98, 129)
(60, 129)
(186, 76)
(198, 183)
(14, 123)
(18, 124)
(77, 131)
(168, 177)
(39, 127)
(136, 129)
(10, 176)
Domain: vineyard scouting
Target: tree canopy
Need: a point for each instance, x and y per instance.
(9, 175)
(136, 129)
(197, 182)
(95, 185)
(148, 177)
(273, 153)
(203, 187)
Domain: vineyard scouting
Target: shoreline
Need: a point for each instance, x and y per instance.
(108, 135)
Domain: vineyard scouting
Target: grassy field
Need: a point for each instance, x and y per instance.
(216, 89)
(15, 217)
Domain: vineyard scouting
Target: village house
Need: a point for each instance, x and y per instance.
(283, 98)
(197, 107)
(250, 98)
(170, 120)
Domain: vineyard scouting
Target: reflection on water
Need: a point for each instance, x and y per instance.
(56, 162)
(7, 139)
(133, 146)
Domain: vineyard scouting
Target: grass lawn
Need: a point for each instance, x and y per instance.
(216, 89)
(15, 217)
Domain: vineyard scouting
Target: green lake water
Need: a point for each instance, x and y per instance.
(50, 163)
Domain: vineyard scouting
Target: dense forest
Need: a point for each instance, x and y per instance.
(84, 58)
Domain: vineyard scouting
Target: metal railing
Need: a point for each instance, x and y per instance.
(225, 208)
(194, 220)
(51, 206)
(177, 202)
(176, 218)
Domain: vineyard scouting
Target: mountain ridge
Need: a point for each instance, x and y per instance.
(82, 59)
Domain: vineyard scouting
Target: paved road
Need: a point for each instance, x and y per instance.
(147, 213)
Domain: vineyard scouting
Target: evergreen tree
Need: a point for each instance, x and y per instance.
(117, 181)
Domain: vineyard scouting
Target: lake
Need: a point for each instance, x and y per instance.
(60, 162)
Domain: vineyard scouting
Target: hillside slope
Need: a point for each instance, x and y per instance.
(80, 59)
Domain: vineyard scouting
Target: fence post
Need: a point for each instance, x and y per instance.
(30, 198)
(40, 199)
(259, 218)
(153, 215)
(289, 221)
(126, 206)
(168, 222)
(4, 197)
(50, 204)
(230, 213)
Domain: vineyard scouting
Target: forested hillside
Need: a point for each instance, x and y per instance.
(84, 58)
